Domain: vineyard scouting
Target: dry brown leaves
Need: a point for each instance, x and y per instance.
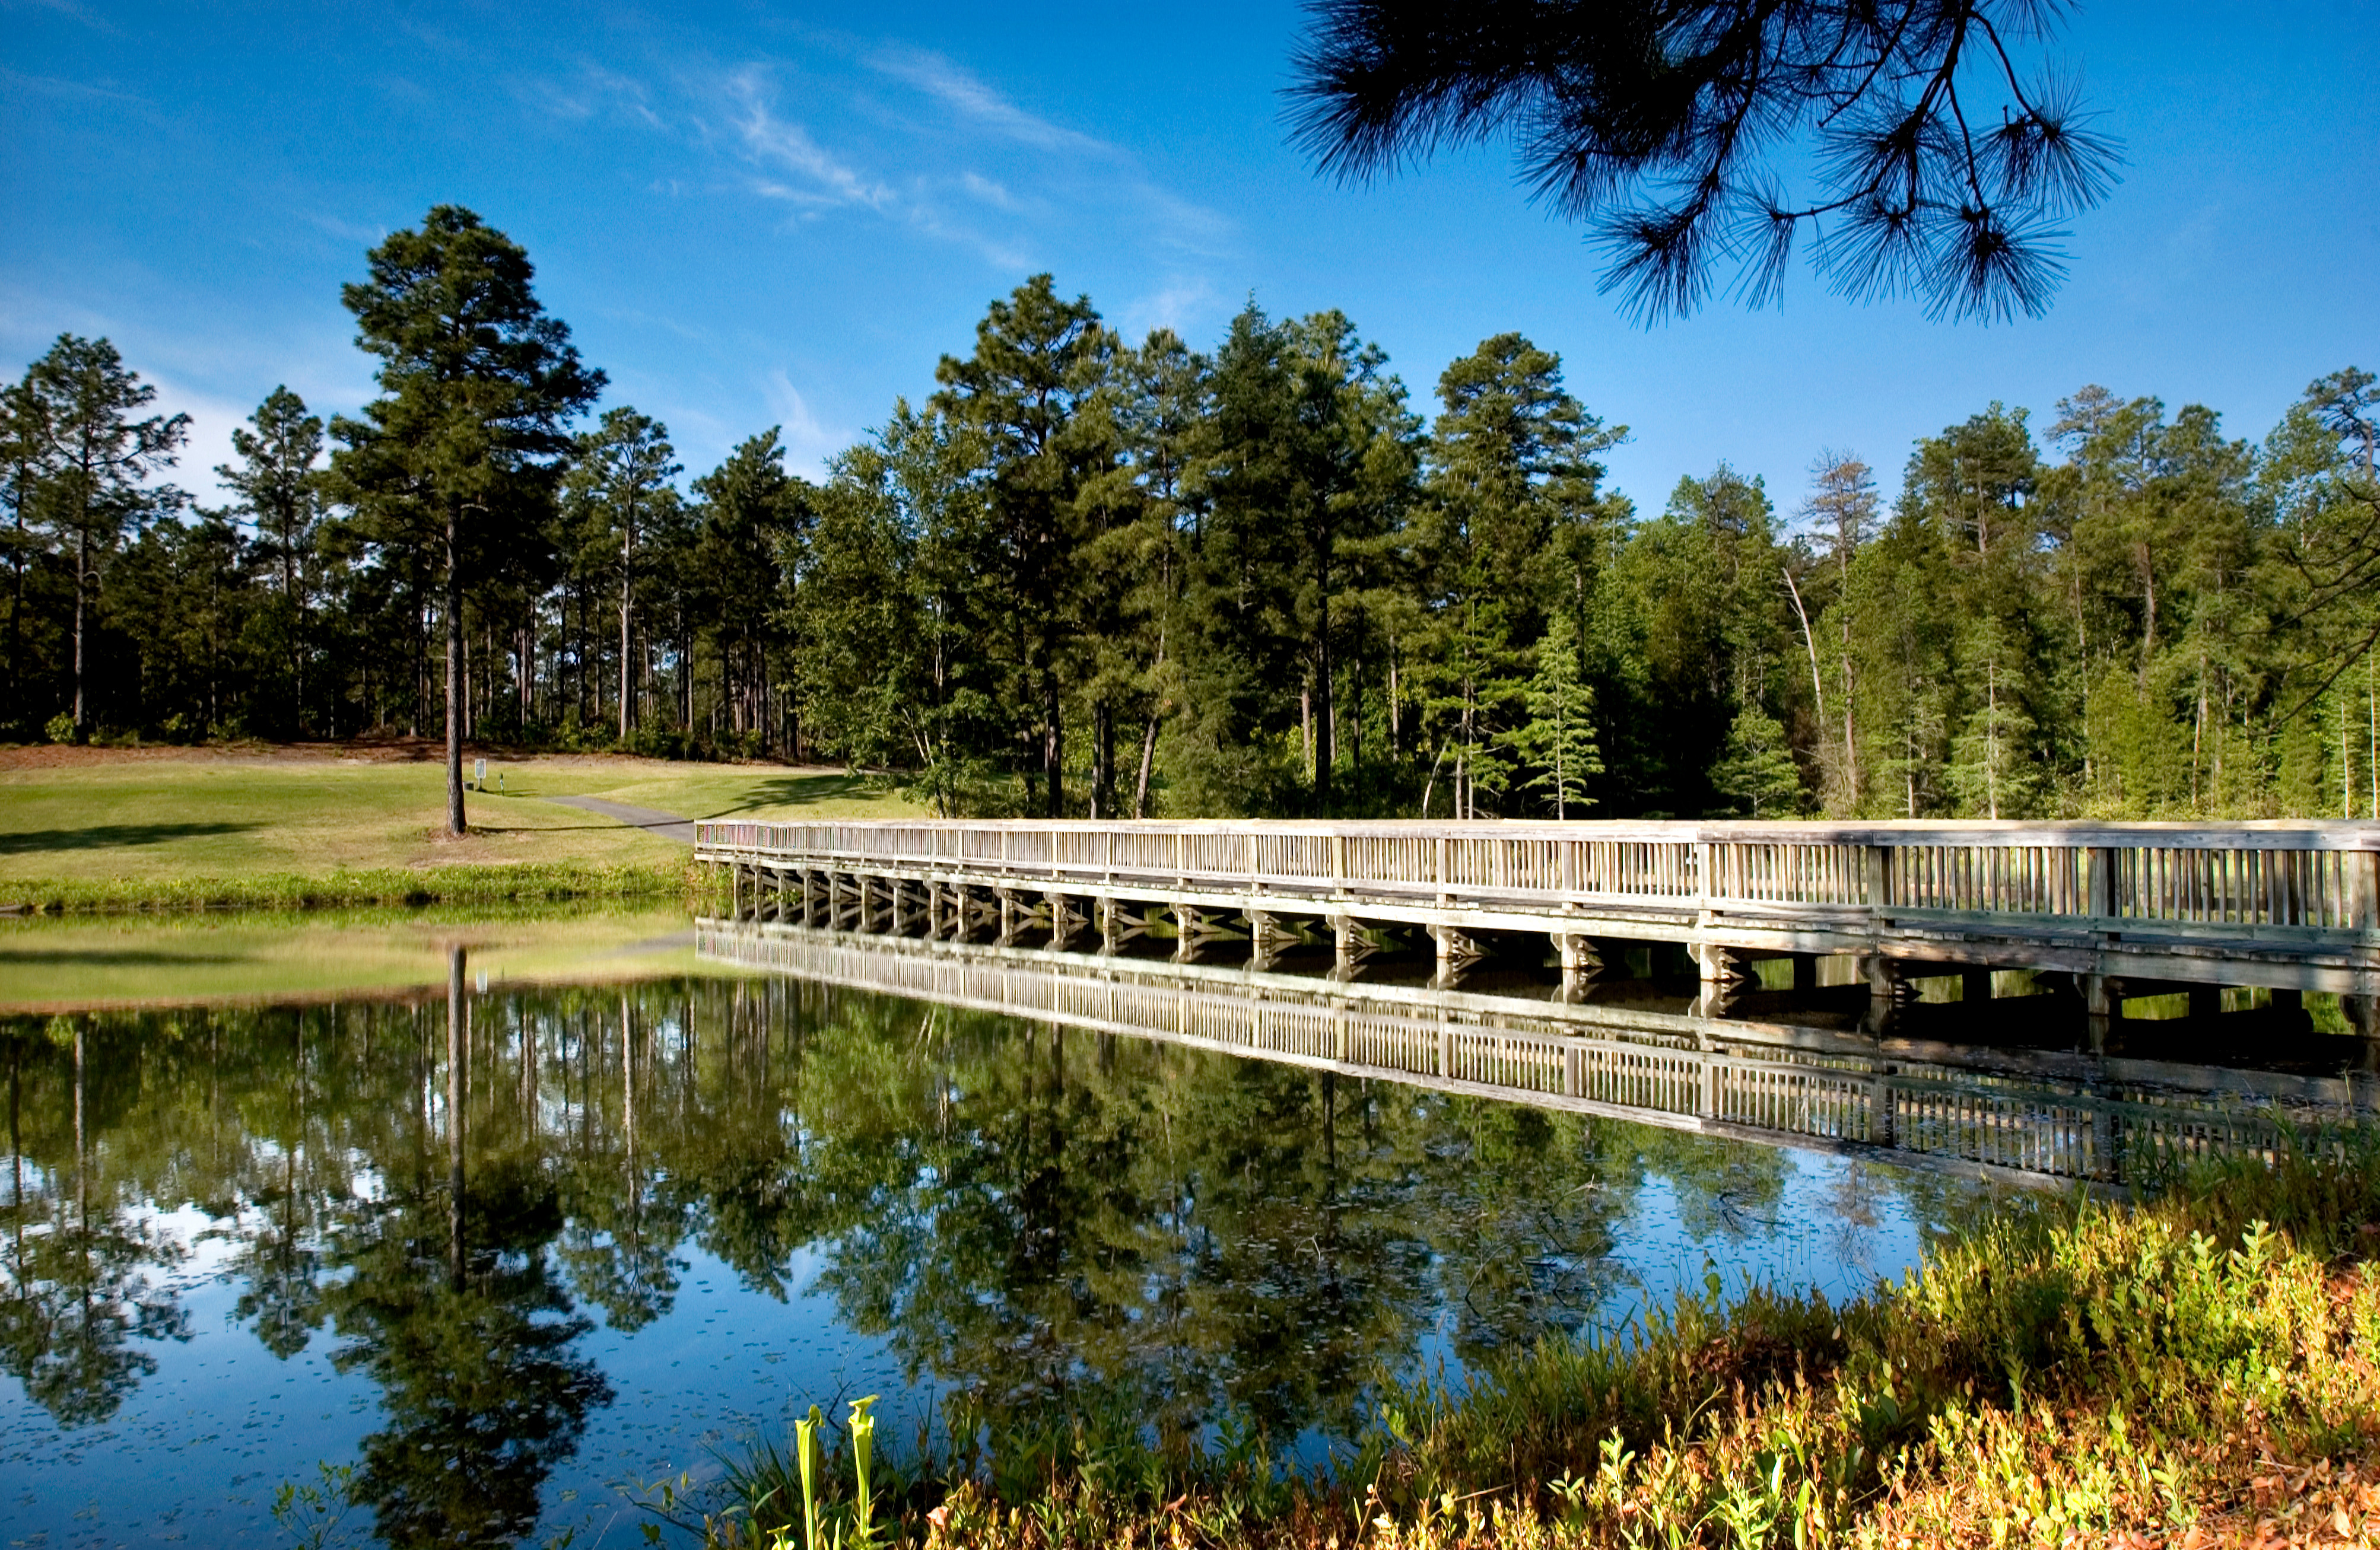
(2312, 1506)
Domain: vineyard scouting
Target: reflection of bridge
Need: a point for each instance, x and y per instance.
(2104, 911)
(2027, 1118)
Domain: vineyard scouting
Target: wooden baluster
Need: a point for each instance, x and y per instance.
(2362, 895)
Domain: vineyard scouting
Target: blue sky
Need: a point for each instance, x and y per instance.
(783, 215)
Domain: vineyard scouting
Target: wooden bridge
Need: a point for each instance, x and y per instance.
(2024, 1117)
(2104, 912)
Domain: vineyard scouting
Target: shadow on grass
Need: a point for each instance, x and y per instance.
(112, 958)
(804, 790)
(108, 836)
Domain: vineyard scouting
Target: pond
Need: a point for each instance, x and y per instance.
(508, 1254)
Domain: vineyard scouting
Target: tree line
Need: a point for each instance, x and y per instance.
(1087, 575)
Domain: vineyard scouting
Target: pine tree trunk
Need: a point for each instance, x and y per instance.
(624, 640)
(1147, 759)
(454, 817)
(82, 573)
(1053, 746)
(1103, 762)
(1326, 753)
(17, 622)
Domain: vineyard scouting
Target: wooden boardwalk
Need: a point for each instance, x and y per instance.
(2026, 1118)
(2106, 910)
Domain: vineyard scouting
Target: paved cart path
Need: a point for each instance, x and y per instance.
(669, 825)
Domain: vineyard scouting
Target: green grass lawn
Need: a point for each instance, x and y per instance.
(49, 965)
(96, 817)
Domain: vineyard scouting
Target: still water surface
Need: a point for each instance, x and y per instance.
(604, 1231)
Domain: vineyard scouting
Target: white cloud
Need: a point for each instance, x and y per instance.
(942, 153)
(988, 192)
(959, 90)
(344, 230)
(1179, 305)
(1000, 252)
(787, 146)
(216, 377)
(1114, 173)
(213, 419)
(590, 91)
(807, 443)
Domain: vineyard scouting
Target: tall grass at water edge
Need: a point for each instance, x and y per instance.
(2198, 1368)
(522, 882)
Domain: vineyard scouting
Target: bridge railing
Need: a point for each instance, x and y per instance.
(2320, 877)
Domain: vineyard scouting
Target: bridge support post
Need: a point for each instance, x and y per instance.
(1888, 988)
(2206, 1000)
(1805, 973)
(1267, 939)
(1725, 973)
(1457, 951)
(1066, 921)
(1582, 961)
(2103, 1004)
(967, 912)
(1187, 924)
(1353, 945)
(1009, 912)
(1974, 984)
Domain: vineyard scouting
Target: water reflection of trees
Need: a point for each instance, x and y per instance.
(1021, 1211)
(85, 1278)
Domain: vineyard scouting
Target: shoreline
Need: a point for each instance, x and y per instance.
(2197, 1370)
(463, 883)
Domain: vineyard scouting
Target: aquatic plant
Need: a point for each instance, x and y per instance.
(2070, 1370)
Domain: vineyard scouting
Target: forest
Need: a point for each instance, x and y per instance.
(1085, 576)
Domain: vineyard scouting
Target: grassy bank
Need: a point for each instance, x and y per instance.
(462, 883)
(261, 827)
(2198, 1370)
(55, 964)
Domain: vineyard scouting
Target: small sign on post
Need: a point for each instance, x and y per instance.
(479, 773)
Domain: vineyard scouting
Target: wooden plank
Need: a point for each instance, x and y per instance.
(2291, 906)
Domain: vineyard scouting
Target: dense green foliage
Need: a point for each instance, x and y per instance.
(1089, 576)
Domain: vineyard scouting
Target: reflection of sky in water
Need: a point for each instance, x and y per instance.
(198, 1448)
(198, 1451)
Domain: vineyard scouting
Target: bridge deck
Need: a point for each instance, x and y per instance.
(2289, 906)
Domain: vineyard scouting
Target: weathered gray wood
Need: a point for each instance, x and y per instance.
(2289, 906)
